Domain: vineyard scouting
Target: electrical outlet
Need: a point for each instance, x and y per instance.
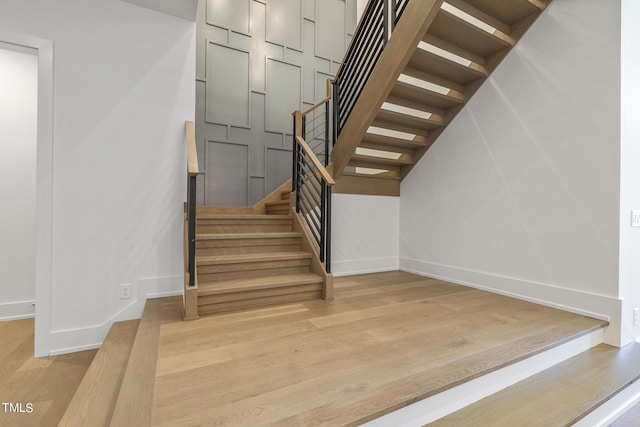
(125, 291)
(636, 316)
(635, 218)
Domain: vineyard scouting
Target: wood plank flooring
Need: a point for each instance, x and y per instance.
(133, 407)
(49, 383)
(558, 396)
(94, 400)
(387, 340)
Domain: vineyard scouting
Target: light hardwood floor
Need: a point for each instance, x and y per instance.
(47, 383)
(386, 341)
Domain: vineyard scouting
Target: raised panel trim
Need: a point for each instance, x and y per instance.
(206, 151)
(298, 48)
(266, 151)
(208, 80)
(267, 128)
(317, 37)
(246, 32)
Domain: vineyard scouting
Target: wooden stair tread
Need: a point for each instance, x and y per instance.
(278, 203)
(419, 125)
(444, 68)
(394, 142)
(386, 148)
(259, 257)
(457, 31)
(560, 395)
(256, 283)
(370, 176)
(507, 11)
(95, 398)
(241, 236)
(379, 161)
(427, 97)
(244, 217)
(133, 407)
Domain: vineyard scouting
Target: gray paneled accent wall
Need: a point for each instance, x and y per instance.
(257, 61)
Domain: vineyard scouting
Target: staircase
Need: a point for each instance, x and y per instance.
(254, 256)
(436, 58)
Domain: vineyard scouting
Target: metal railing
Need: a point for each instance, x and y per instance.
(192, 175)
(310, 180)
(374, 31)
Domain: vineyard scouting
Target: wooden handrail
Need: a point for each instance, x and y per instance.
(318, 105)
(321, 103)
(192, 152)
(310, 154)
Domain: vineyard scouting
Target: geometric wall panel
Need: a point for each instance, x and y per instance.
(257, 61)
(330, 29)
(284, 23)
(227, 88)
(284, 94)
(227, 174)
(231, 14)
(278, 167)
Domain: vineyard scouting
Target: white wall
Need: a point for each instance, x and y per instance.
(364, 234)
(124, 85)
(18, 138)
(360, 6)
(630, 171)
(520, 194)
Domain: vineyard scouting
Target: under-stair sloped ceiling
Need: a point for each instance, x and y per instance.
(520, 194)
(181, 8)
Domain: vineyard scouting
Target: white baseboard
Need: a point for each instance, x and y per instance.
(17, 310)
(90, 337)
(456, 398)
(575, 301)
(363, 266)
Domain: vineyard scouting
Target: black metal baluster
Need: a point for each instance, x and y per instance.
(327, 261)
(191, 220)
(323, 191)
(326, 133)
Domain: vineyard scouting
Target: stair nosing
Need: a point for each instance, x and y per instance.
(252, 236)
(249, 258)
(247, 217)
(235, 285)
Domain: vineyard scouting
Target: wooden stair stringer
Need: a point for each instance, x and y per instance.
(413, 24)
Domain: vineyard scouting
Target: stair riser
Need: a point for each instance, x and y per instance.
(261, 302)
(242, 250)
(249, 227)
(232, 243)
(263, 293)
(247, 274)
(248, 266)
(277, 210)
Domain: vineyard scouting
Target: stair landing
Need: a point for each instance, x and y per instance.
(386, 341)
